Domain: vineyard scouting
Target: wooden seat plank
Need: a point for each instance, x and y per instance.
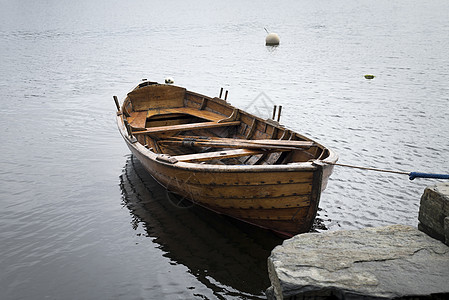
(216, 155)
(184, 127)
(204, 114)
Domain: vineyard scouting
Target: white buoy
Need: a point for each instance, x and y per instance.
(169, 80)
(272, 39)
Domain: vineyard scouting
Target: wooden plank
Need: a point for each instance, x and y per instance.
(216, 155)
(252, 128)
(219, 144)
(267, 203)
(219, 106)
(153, 96)
(185, 127)
(137, 119)
(234, 116)
(209, 179)
(252, 191)
(264, 142)
(204, 114)
(203, 104)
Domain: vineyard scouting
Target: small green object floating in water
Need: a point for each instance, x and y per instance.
(369, 76)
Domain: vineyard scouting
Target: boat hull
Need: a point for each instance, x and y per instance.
(264, 174)
(283, 199)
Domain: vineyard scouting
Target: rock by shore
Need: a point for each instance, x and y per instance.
(389, 262)
(434, 212)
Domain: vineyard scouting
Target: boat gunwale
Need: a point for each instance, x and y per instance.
(195, 166)
(192, 166)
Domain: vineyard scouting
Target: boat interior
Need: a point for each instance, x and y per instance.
(190, 127)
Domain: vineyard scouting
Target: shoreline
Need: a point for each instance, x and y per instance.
(389, 262)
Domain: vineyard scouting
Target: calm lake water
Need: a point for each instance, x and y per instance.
(79, 217)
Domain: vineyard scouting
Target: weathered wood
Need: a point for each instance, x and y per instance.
(218, 144)
(264, 142)
(220, 106)
(286, 135)
(204, 114)
(157, 96)
(234, 116)
(216, 155)
(243, 179)
(253, 191)
(185, 127)
(256, 159)
(253, 203)
(152, 144)
(252, 128)
(273, 158)
(282, 193)
(203, 104)
(116, 103)
(137, 119)
(279, 113)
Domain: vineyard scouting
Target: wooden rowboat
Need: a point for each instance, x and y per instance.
(225, 159)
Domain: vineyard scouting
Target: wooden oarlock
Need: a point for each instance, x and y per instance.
(117, 104)
(279, 112)
(221, 93)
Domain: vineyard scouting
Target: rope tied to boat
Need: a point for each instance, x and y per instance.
(411, 175)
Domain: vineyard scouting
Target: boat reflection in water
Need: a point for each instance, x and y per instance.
(221, 252)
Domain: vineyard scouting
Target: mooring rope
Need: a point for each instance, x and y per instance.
(411, 175)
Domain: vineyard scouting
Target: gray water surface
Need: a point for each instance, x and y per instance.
(79, 217)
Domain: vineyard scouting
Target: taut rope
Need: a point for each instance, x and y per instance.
(412, 175)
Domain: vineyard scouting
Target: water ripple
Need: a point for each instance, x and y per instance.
(63, 229)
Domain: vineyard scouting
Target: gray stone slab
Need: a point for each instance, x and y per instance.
(373, 263)
(446, 230)
(433, 210)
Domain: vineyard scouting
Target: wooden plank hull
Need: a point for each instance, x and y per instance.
(285, 201)
(280, 197)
